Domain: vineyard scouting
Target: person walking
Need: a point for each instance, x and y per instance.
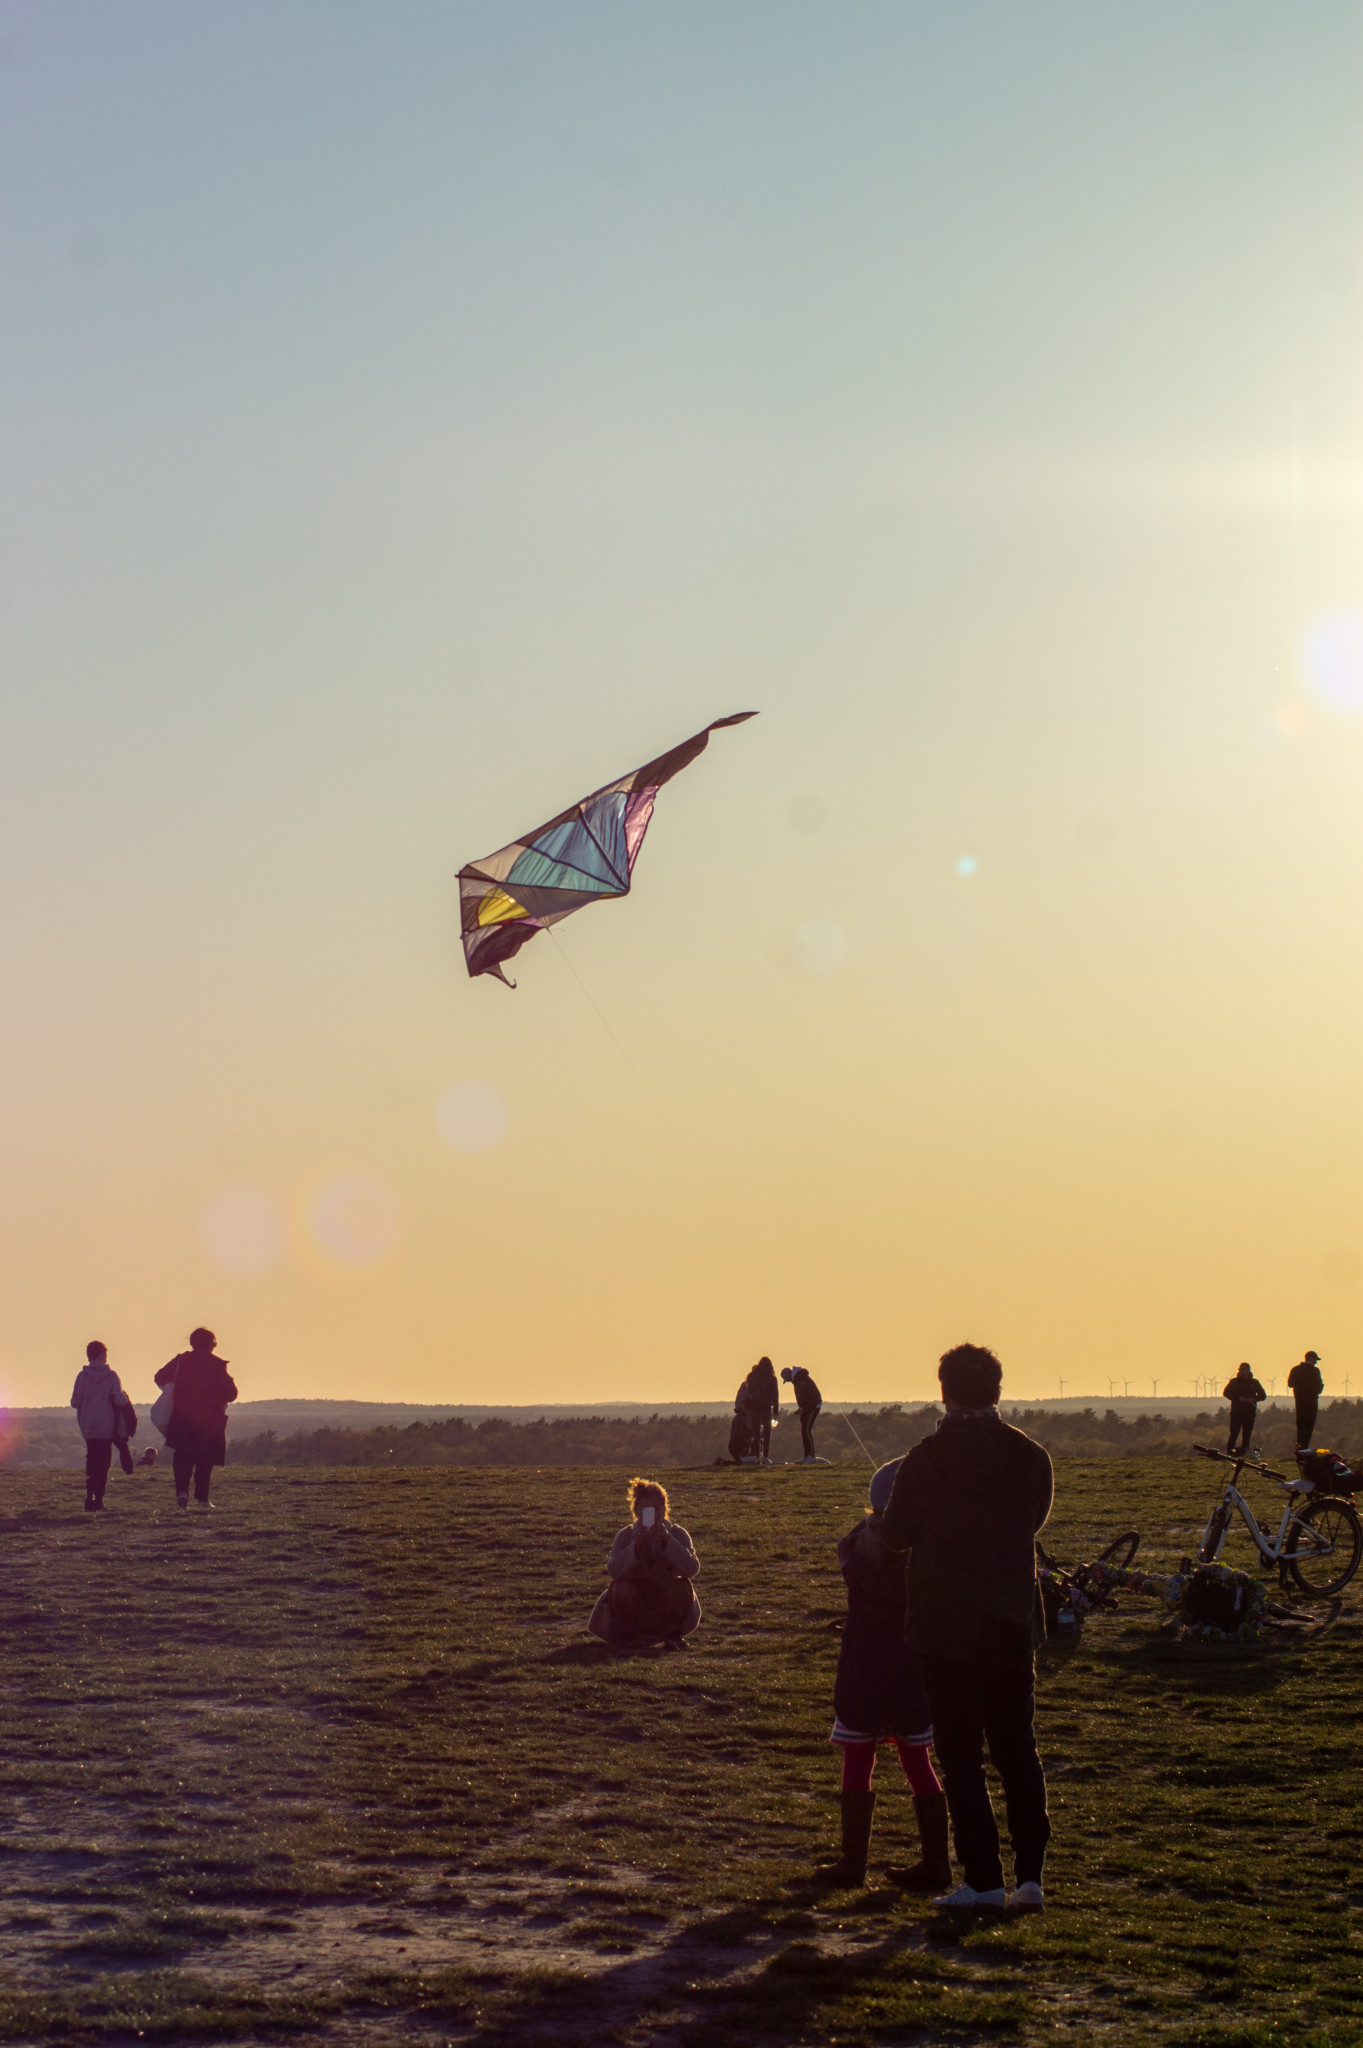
(764, 1406)
(1307, 1387)
(809, 1401)
(879, 1696)
(966, 1505)
(650, 1598)
(106, 1419)
(196, 1434)
(1244, 1394)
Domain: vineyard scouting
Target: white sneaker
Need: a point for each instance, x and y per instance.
(1027, 1899)
(965, 1899)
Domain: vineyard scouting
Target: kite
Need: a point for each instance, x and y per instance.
(582, 856)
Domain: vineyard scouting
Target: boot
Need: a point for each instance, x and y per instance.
(932, 1871)
(858, 1812)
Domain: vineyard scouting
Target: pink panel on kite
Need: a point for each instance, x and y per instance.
(638, 811)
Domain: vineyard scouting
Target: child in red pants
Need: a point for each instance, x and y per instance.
(879, 1696)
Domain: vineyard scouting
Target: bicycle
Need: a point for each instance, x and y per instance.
(1320, 1538)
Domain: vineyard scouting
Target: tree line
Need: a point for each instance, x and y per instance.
(669, 1441)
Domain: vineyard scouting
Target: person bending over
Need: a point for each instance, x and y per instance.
(967, 1504)
(808, 1400)
(196, 1434)
(1244, 1394)
(650, 1598)
(1307, 1387)
(879, 1696)
(106, 1420)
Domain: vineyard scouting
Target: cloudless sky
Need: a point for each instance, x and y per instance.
(413, 416)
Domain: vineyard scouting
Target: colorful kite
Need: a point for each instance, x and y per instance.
(582, 856)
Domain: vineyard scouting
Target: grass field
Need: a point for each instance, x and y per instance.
(339, 1764)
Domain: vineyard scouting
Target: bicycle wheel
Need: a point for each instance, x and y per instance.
(1216, 1529)
(1324, 1545)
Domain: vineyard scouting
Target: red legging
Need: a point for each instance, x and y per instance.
(859, 1762)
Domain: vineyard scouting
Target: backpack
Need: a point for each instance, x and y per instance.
(1221, 1605)
(1328, 1472)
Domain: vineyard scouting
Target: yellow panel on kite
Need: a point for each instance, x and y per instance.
(497, 907)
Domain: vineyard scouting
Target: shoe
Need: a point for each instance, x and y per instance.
(182, 1500)
(933, 1867)
(849, 1872)
(965, 1899)
(92, 1505)
(1027, 1899)
(203, 1503)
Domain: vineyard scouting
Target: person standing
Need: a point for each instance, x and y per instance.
(967, 1505)
(196, 1434)
(808, 1400)
(764, 1406)
(103, 1412)
(1244, 1394)
(1307, 1387)
(878, 1697)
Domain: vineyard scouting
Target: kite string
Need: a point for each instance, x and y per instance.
(675, 1136)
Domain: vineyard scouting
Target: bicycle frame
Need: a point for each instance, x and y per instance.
(1271, 1548)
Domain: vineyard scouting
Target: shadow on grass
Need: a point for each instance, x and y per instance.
(753, 1973)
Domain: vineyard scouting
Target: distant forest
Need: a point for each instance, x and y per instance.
(669, 1441)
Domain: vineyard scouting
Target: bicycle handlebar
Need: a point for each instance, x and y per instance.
(1250, 1464)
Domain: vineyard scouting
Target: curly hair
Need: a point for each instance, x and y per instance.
(644, 1493)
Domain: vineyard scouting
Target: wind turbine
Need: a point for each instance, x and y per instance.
(1154, 1388)
(1126, 1386)
(1062, 1389)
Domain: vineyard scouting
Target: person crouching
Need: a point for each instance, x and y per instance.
(879, 1696)
(650, 1598)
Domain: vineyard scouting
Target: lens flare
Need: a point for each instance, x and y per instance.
(967, 866)
(1332, 658)
(355, 1219)
(243, 1230)
(472, 1117)
(820, 946)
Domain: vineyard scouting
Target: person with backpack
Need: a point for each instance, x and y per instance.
(650, 1598)
(1307, 1387)
(106, 1418)
(809, 1401)
(1244, 1394)
(879, 1697)
(967, 1505)
(196, 1434)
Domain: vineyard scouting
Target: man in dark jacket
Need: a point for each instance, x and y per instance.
(1244, 1394)
(808, 1400)
(1307, 1387)
(967, 1505)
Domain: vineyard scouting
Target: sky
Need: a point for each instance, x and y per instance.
(413, 416)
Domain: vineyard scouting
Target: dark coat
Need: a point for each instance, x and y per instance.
(1305, 1381)
(1243, 1393)
(879, 1687)
(806, 1394)
(967, 1505)
(198, 1421)
(764, 1393)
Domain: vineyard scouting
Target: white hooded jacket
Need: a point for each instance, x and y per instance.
(98, 1399)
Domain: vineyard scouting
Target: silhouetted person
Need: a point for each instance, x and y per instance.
(196, 1434)
(1244, 1394)
(764, 1406)
(650, 1598)
(808, 1400)
(967, 1504)
(103, 1412)
(1307, 1387)
(878, 1697)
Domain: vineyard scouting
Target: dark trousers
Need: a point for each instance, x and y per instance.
(1242, 1415)
(185, 1465)
(975, 1704)
(761, 1437)
(98, 1452)
(1308, 1408)
(808, 1418)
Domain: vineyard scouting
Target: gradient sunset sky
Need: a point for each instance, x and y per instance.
(416, 415)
